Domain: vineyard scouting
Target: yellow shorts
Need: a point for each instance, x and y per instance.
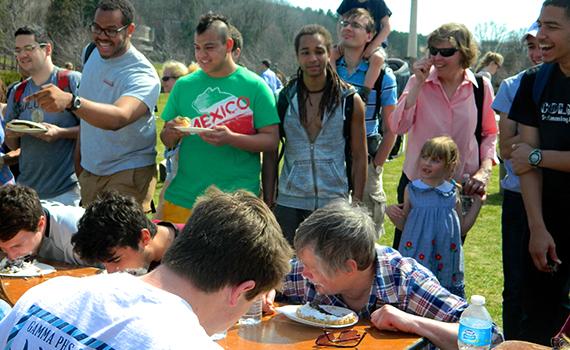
(174, 213)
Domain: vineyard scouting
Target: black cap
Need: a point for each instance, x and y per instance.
(266, 62)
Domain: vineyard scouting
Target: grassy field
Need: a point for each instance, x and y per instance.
(483, 261)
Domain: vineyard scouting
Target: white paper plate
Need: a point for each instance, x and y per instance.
(42, 269)
(192, 130)
(290, 311)
(26, 127)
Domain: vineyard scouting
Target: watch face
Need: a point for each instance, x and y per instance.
(534, 157)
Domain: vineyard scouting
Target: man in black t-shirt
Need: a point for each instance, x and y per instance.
(542, 159)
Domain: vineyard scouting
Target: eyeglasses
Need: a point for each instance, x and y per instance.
(28, 48)
(349, 338)
(167, 78)
(447, 52)
(352, 24)
(111, 33)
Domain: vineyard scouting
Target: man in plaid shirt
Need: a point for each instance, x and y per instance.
(338, 263)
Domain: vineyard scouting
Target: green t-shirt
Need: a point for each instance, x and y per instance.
(243, 102)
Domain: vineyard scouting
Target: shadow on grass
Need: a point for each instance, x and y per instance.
(494, 199)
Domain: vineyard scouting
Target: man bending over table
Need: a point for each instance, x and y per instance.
(40, 229)
(203, 285)
(115, 232)
(338, 263)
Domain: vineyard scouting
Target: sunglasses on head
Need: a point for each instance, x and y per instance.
(447, 52)
(166, 78)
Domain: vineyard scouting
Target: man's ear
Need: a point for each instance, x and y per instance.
(41, 224)
(131, 29)
(351, 266)
(229, 45)
(49, 49)
(145, 237)
(237, 291)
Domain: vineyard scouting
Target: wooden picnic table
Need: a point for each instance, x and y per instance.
(279, 332)
(12, 288)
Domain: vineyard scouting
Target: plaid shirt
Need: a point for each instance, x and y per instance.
(400, 282)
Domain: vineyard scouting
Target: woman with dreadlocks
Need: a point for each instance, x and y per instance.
(323, 135)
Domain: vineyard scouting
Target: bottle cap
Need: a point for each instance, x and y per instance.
(477, 300)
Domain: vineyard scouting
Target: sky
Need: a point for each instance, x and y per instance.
(513, 14)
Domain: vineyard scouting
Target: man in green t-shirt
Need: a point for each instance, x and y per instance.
(236, 107)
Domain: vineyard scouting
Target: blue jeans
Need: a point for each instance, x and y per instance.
(289, 219)
(515, 243)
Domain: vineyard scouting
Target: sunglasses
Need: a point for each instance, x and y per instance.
(166, 78)
(447, 52)
(349, 338)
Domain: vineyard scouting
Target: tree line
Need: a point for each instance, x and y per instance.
(268, 28)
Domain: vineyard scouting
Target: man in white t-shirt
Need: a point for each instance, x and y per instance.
(208, 278)
(40, 229)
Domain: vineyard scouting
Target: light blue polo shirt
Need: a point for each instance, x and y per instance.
(388, 95)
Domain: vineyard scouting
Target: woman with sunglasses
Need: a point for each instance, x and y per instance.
(439, 100)
(171, 71)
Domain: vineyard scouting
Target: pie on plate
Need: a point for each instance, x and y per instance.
(23, 268)
(341, 317)
(26, 126)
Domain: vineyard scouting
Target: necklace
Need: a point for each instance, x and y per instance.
(316, 91)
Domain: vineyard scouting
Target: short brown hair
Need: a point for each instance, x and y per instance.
(459, 37)
(229, 239)
(20, 209)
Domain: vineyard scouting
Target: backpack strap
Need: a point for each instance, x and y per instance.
(20, 91)
(346, 131)
(63, 79)
(88, 51)
(540, 81)
(378, 88)
(479, 93)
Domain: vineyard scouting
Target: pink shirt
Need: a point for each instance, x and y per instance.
(436, 115)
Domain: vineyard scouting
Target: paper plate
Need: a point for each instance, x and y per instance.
(26, 127)
(38, 269)
(290, 311)
(192, 130)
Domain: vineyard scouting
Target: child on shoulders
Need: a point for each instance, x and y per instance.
(381, 15)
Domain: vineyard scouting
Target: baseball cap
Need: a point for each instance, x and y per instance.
(532, 30)
(266, 62)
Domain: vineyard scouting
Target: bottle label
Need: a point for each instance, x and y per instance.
(475, 334)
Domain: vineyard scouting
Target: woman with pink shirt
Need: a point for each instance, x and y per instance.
(439, 100)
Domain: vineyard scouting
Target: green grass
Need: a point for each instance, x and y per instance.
(483, 258)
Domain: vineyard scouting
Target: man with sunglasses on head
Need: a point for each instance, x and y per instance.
(46, 159)
(115, 103)
(355, 33)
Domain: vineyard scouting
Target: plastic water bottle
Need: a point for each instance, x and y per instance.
(253, 315)
(475, 326)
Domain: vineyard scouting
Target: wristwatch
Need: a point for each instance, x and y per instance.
(535, 157)
(75, 103)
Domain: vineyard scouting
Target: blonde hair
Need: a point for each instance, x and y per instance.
(459, 37)
(177, 68)
(489, 57)
(444, 148)
(192, 67)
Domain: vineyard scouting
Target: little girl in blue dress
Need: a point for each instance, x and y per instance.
(430, 216)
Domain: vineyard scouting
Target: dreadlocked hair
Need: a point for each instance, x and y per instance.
(331, 94)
